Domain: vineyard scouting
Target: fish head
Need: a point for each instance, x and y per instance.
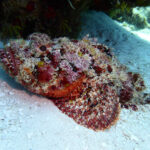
(43, 65)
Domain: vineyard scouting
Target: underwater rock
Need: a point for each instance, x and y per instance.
(56, 18)
(82, 77)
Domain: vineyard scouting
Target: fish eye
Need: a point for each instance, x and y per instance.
(43, 48)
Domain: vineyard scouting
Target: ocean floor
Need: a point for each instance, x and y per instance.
(31, 122)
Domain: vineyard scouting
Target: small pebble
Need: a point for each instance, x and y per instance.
(11, 93)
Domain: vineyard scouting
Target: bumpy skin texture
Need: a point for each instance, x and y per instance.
(97, 108)
(82, 77)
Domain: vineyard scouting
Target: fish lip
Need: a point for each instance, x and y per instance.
(1, 53)
(7, 65)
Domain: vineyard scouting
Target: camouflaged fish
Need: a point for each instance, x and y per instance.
(82, 77)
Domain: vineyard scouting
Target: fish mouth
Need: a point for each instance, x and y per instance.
(8, 61)
(1, 56)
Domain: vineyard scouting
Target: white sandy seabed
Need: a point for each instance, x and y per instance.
(30, 122)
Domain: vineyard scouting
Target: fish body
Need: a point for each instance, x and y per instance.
(82, 77)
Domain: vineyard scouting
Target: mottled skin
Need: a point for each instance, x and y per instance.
(83, 78)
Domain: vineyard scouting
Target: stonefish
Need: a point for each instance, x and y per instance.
(82, 77)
